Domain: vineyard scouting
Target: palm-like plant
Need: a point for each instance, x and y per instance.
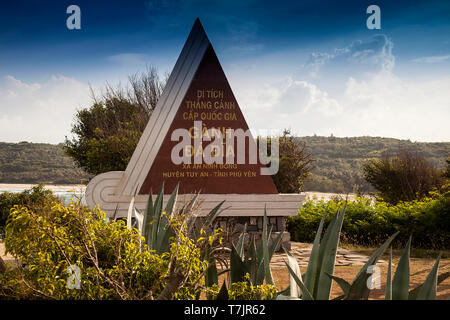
(315, 284)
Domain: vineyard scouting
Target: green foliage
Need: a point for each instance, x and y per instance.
(368, 223)
(317, 283)
(295, 164)
(38, 163)
(321, 264)
(243, 290)
(164, 228)
(254, 265)
(106, 135)
(35, 199)
(156, 223)
(117, 263)
(250, 276)
(398, 288)
(113, 261)
(406, 176)
(359, 289)
(337, 166)
(338, 161)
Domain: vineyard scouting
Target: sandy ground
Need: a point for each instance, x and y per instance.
(419, 269)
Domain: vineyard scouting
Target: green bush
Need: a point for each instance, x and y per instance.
(368, 223)
(244, 290)
(407, 176)
(34, 199)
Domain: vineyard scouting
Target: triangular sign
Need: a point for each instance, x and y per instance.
(197, 90)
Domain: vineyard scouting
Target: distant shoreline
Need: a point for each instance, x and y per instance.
(53, 187)
(310, 195)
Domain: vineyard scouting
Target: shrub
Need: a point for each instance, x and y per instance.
(34, 199)
(114, 263)
(368, 223)
(106, 133)
(406, 176)
(244, 290)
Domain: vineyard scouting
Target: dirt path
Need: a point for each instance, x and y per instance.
(302, 251)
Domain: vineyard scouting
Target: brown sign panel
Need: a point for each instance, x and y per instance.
(210, 100)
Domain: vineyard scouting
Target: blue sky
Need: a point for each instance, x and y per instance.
(312, 66)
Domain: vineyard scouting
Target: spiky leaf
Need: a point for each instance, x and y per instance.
(428, 288)
(313, 270)
(306, 295)
(388, 292)
(359, 289)
(400, 284)
(327, 256)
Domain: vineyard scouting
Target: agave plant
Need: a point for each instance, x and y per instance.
(358, 289)
(319, 274)
(253, 265)
(155, 222)
(316, 284)
(398, 288)
(256, 261)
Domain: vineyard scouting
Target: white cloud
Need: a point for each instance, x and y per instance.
(431, 59)
(305, 97)
(375, 103)
(39, 112)
(380, 105)
(389, 106)
(375, 53)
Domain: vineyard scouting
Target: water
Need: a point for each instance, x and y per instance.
(66, 193)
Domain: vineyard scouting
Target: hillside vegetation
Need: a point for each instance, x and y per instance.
(338, 160)
(337, 166)
(37, 162)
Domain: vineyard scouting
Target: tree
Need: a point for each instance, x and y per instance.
(405, 176)
(107, 133)
(446, 172)
(295, 164)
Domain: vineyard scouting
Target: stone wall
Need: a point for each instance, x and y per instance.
(233, 227)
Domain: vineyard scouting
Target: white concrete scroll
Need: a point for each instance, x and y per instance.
(113, 191)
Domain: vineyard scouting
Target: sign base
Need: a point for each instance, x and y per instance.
(102, 190)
